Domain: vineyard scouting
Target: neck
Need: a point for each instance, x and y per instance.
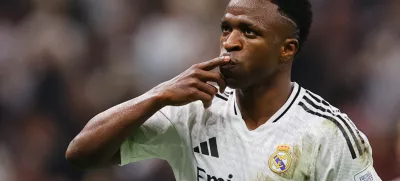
(259, 102)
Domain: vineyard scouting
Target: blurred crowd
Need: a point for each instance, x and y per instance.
(64, 61)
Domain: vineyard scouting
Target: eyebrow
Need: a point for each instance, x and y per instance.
(242, 22)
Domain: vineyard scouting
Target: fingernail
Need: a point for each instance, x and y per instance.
(226, 58)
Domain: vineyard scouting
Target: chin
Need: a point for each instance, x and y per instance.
(234, 83)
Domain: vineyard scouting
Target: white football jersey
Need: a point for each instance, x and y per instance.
(306, 139)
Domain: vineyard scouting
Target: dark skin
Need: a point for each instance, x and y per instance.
(256, 58)
(258, 41)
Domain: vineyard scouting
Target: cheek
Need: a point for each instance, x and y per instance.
(262, 56)
(221, 41)
(263, 61)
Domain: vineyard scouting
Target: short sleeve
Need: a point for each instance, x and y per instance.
(336, 163)
(156, 138)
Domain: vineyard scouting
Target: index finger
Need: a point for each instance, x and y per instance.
(214, 63)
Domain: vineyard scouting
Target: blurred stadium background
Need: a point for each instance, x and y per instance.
(63, 61)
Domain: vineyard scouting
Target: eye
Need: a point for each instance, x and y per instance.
(249, 32)
(225, 29)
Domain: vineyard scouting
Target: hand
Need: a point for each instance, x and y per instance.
(191, 85)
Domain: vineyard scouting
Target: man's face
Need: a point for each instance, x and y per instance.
(252, 34)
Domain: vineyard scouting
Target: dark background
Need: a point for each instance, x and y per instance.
(63, 61)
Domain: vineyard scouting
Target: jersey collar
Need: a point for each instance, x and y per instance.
(235, 112)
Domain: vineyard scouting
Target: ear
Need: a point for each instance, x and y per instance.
(289, 49)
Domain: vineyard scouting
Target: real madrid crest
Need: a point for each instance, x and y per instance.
(280, 161)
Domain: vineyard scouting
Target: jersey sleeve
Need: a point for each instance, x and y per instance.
(335, 161)
(156, 138)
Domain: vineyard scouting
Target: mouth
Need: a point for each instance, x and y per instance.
(232, 62)
(229, 65)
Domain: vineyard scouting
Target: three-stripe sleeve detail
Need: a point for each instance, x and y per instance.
(349, 144)
(323, 109)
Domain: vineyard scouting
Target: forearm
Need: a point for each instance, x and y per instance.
(101, 138)
(103, 135)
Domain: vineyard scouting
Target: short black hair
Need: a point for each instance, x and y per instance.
(300, 12)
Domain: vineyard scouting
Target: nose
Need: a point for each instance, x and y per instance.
(233, 42)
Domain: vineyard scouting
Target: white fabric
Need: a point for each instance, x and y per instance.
(318, 149)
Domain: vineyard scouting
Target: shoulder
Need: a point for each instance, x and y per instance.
(313, 108)
(317, 112)
(331, 125)
(341, 146)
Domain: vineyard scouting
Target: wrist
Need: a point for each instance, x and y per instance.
(158, 97)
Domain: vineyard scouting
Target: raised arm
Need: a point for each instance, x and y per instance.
(99, 141)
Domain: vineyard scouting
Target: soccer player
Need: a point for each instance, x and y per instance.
(264, 127)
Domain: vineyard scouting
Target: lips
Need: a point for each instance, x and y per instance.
(229, 65)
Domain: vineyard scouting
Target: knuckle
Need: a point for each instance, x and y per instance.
(215, 90)
(195, 72)
(212, 89)
(192, 82)
(195, 66)
(192, 92)
(212, 62)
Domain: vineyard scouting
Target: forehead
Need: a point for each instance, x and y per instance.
(254, 9)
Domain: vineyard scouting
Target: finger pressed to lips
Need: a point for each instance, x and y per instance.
(214, 63)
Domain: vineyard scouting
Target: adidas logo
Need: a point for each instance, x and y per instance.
(206, 150)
